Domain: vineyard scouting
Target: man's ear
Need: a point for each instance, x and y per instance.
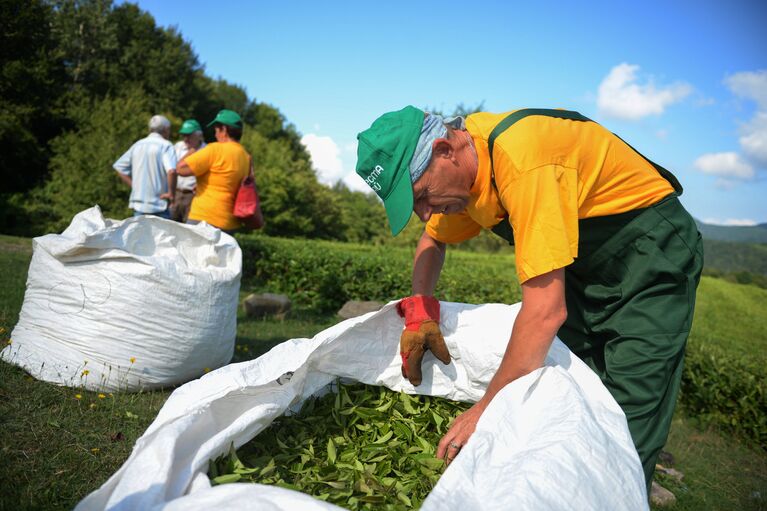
(441, 148)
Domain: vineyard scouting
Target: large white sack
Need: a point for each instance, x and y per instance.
(554, 439)
(125, 305)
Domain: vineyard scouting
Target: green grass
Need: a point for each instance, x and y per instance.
(732, 317)
(720, 472)
(57, 448)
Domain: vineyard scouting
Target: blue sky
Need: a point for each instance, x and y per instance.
(683, 82)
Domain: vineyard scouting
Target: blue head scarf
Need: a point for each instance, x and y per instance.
(433, 128)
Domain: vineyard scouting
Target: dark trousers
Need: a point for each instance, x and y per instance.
(630, 301)
(181, 204)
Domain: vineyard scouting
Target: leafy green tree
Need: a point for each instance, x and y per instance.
(30, 80)
(81, 166)
(293, 201)
(362, 214)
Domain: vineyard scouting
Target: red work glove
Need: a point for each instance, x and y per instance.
(421, 333)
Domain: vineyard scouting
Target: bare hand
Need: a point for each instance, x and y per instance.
(166, 196)
(458, 434)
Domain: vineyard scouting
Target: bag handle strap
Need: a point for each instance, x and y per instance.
(513, 117)
(503, 228)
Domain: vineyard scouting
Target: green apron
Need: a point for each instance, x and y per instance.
(630, 298)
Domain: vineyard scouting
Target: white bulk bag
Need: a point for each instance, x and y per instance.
(554, 439)
(126, 305)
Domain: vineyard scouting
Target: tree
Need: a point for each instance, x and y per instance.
(293, 201)
(81, 165)
(29, 84)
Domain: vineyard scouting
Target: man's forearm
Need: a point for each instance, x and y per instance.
(183, 169)
(427, 265)
(125, 179)
(172, 180)
(542, 314)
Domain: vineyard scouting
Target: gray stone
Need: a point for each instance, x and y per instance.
(266, 304)
(354, 308)
(674, 474)
(660, 496)
(666, 459)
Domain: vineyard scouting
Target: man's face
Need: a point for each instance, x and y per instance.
(193, 140)
(445, 187)
(440, 190)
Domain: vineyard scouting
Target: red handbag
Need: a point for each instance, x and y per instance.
(246, 206)
(246, 200)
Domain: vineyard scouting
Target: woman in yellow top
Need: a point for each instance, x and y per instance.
(219, 168)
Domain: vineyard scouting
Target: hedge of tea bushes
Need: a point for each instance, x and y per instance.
(726, 390)
(323, 275)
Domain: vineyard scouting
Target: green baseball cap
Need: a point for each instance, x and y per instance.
(227, 117)
(384, 152)
(189, 127)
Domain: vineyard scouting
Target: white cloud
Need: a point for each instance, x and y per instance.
(750, 85)
(356, 183)
(753, 85)
(731, 221)
(328, 162)
(621, 97)
(725, 165)
(754, 138)
(326, 158)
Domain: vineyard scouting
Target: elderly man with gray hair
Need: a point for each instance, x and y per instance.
(149, 168)
(607, 257)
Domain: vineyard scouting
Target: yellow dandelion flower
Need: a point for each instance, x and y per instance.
(207, 369)
(95, 450)
(78, 396)
(92, 405)
(85, 373)
(101, 396)
(133, 360)
(111, 395)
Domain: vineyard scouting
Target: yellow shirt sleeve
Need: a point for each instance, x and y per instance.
(201, 161)
(452, 228)
(543, 210)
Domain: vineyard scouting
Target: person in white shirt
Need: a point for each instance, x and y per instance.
(186, 185)
(149, 168)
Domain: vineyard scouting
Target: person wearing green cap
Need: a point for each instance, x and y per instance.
(185, 185)
(607, 257)
(219, 169)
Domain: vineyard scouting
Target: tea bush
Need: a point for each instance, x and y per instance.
(323, 275)
(726, 390)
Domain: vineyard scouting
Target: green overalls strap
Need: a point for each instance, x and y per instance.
(503, 228)
(630, 298)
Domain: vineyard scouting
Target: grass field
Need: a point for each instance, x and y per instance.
(59, 444)
(733, 317)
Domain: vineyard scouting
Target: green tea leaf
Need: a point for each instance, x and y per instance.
(226, 478)
(331, 451)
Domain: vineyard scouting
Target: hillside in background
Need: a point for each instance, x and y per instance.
(735, 257)
(734, 233)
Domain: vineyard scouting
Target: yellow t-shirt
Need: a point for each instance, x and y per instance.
(550, 173)
(219, 168)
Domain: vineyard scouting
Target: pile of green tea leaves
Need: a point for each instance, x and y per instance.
(362, 447)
